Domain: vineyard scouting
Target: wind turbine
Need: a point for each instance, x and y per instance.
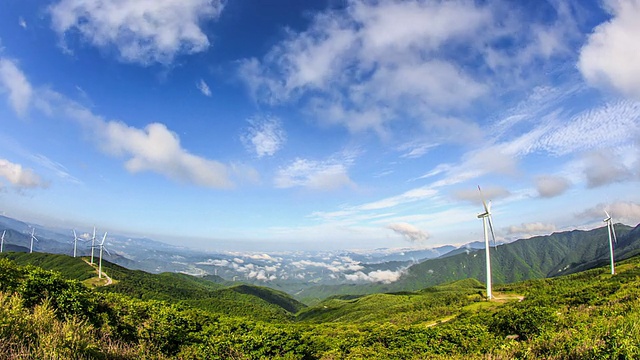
(93, 243)
(101, 246)
(75, 243)
(610, 230)
(33, 237)
(2, 241)
(486, 219)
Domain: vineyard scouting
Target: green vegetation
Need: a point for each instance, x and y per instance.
(586, 315)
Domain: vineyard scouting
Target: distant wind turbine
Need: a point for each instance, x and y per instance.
(101, 246)
(33, 237)
(93, 244)
(2, 241)
(75, 243)
(610, 230)
(486, 219)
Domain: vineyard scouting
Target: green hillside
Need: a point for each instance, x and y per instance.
(429, 304)
(538, 257)
(586, 315)
(241, 301)
(69, 267)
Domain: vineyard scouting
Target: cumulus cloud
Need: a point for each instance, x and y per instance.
(549, 186)
(156, 148)
(142, 31)
(13, 81)
(488, 193)
(265, 135)
(20, 177)
(531, 228)
(620, 211)
(383, 276)
(409, 231)
(204, 88)
(330, 174)
(611, 56)
(602, 169)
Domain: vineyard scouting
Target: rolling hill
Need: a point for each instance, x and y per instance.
(215, 296)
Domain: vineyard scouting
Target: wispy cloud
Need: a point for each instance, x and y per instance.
(204, 88)
(611, 56)
(22, 22)
(59, 169)
(265, 135)
(142, 31)
(20, 177)
(13, 80)
(329, 174)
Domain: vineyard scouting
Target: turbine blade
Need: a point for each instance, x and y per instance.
(484, 203)
(104, 238)
(608, 216)
(493, 235)
(75, 237)
(105, 249)
(614, 234)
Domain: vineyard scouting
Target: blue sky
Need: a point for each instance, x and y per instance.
(319, 124)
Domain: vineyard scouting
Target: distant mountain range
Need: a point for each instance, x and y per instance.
(312, 276)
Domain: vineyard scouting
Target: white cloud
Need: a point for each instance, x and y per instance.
(265, 135)
(531, 229)
(620, 211)
(142, 31)
(204, 88)
(409, 232)
(13, 80)
(602, 169)
(22, 22)
(156, 148)
(20, 177)
(358, 68)
(331, 174)
(549, 186)
(214, 262)
(611, 56)
(383, 276)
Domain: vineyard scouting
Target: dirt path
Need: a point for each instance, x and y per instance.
(104, 274)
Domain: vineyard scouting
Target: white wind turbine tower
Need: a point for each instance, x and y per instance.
(33, 237)
(2, 241)
(93, 244)
(486, 219)
(610, 230)
(75, 243)
(101, 246)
